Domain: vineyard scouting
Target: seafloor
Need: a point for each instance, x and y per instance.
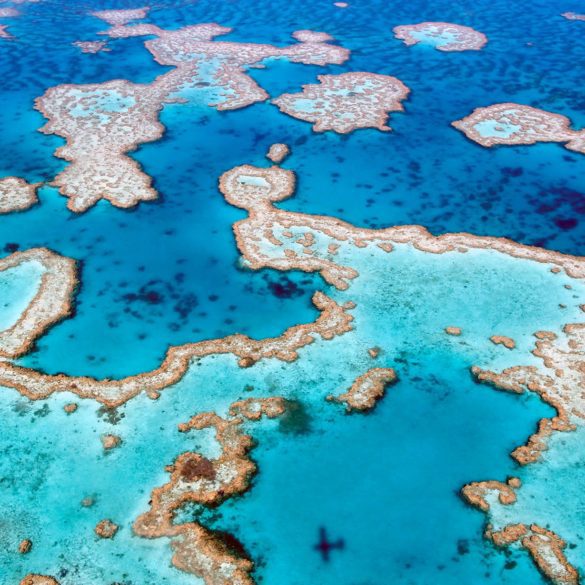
(167, 272)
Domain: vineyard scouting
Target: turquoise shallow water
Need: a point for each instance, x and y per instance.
(18, 287)
(167, 273)
(401, 523)
(547, 487)
(435, 431)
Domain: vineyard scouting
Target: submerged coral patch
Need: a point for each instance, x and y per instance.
(91, 46)
(573, 16)
(8, 12)
(4, 34)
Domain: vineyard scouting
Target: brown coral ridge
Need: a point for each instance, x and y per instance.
(219, 559)
(271, 237)
(544, 546)
(110, 442)
(452, 330)
(475, 493)
(559, 383)
(33, 579)
(103, 122)
(106, 529)
(51, 303)
(507, 342)
(334, 320)
(255, 408)
(366, 390)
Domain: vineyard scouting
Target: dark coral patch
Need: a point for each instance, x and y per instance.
(195, 467)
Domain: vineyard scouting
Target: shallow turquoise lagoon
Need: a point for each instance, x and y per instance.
(392, 495)
(18, 287)
(387, 482)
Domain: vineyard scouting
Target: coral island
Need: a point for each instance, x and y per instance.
(515, 124)
(346, 102)
(444, 36)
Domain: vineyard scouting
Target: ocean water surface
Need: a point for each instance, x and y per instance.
(169, 272)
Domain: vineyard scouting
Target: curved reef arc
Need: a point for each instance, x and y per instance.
(333, 320)
(51, 303)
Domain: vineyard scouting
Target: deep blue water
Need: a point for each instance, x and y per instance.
(167, 272)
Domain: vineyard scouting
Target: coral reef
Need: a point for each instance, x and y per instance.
(215, 557)
(91, 46)
(103, 122)
(514, 124)
(51, 303)
(106, 529)
(16, 194)
(346, 102)
(444, 36)
(33, 579)
(366, 390)
(333, 320)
